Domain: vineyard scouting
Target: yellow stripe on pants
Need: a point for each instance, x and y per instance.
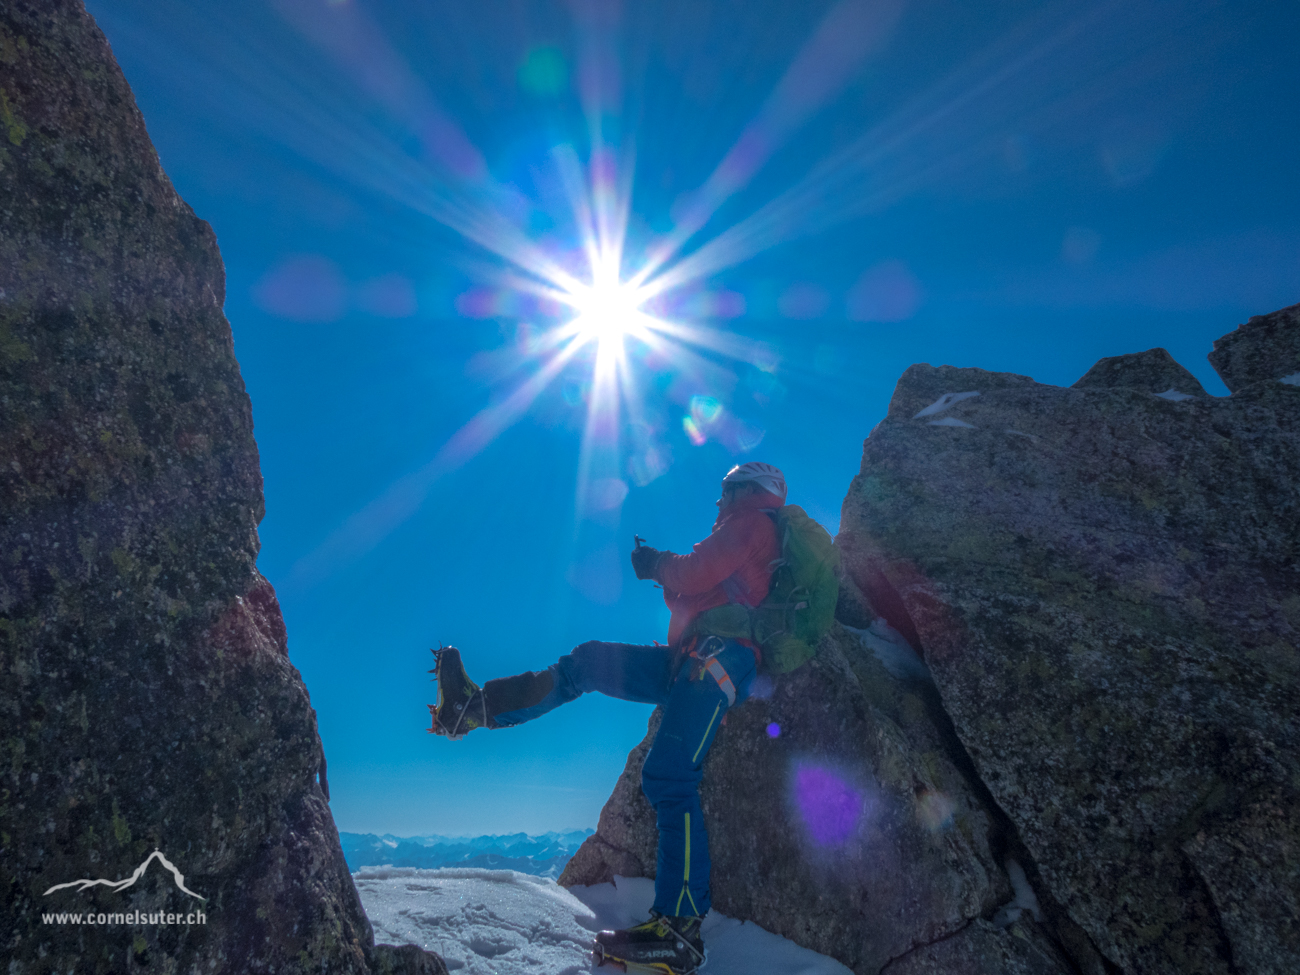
(696, 757)
(686, 879)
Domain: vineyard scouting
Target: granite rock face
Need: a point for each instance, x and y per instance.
(148, 698)
(1266, 348)
(1153, 371)
(1021, 949)
(852, 831)
(1106, 587)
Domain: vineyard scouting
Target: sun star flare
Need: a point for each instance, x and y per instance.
(608, 309)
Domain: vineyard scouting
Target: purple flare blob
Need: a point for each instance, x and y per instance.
(774, 730)
(830, 807)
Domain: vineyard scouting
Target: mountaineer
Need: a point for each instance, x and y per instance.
(724, 628)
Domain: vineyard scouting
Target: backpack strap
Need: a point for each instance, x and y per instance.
(719, 674)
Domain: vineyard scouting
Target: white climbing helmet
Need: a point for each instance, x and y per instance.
(764, 475)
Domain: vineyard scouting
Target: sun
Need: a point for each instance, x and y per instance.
(608, 309)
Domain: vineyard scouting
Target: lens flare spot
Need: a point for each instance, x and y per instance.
(887, 292)
(804, 301)
(647, 466)
(774, 730)
(390, 296)
(693, 433)
(745, 437)
(702, 304)
(305, 288)
(606, 493)
(767, 389)
(765, 357)
(705, 409)
(573, 393)
(935, 810)
(829, 806)
(544, 72)
(486, 303)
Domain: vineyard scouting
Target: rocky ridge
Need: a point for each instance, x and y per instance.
(1104, 584)
(149, 701)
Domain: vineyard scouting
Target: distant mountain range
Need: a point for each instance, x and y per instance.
(542, 856)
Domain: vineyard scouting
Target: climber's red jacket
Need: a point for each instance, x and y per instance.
(732, 565)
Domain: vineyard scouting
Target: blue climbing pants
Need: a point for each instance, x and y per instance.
(695, 696)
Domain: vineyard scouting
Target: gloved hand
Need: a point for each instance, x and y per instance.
(644, 561)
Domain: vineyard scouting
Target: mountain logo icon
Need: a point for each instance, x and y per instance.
(136, 875)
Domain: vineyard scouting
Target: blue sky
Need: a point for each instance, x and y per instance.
(1017, 186)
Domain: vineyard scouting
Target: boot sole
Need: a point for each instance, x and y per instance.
(600, 959)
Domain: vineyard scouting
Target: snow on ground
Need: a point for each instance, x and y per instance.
(501, 922)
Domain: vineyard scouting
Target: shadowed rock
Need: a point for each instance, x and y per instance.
(1021, 949)
(1104, 584)
(1267, 347)
(148, 698)
(1154, 371)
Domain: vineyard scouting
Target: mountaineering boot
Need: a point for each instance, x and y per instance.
(461, 705)
(663, 945)
(507, 695)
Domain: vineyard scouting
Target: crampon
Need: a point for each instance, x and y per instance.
(461, 707)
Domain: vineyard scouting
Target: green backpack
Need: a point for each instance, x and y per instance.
(800, 605)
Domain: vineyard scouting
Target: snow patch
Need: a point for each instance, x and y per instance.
(893, 651)
(1025, 900)
(500, 922)
(1291, 380)
(1020, 433)
(1174, 396)
(942, 403)
(483, 922)
(951, 421)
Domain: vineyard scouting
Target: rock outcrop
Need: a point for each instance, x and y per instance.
(148, 698)
(1264, 349)
(1106, 586)
(1104, 582)
(1155, 371)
